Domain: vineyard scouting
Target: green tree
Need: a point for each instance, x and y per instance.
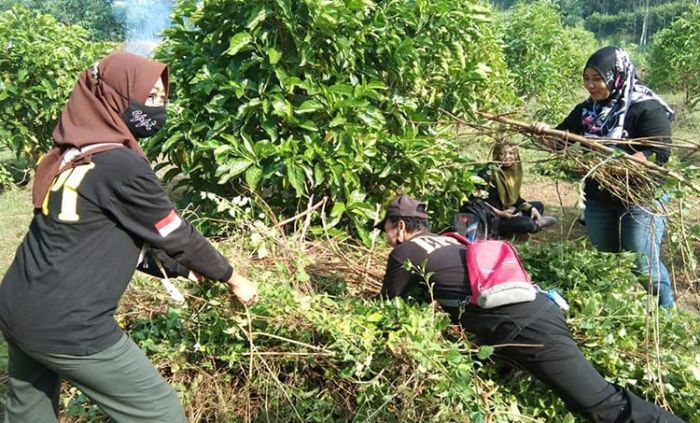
(545, 57)
(638, 23)
(633, 21)
(7, 4)
(299, 99)
(96, 16)
(38, 67)
(675, 59)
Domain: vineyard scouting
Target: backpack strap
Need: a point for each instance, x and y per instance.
(462, 239)
(457, 303)
(452, 302)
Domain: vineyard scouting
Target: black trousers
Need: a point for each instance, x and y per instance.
(558, 362)
(522, 224)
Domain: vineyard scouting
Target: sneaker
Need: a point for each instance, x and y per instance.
(547, 221)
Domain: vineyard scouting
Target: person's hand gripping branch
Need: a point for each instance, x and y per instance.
(245, 290)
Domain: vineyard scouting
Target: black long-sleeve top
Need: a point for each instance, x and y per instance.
(646, 119)
(440, 262)
(81, 251)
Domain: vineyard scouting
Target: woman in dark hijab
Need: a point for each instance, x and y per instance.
(619, 106)
(99, 211)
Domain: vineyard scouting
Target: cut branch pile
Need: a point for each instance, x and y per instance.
(632, 181)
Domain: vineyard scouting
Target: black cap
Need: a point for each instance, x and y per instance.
(403, 206)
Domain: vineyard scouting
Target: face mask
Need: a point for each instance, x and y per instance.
(144, 121)
(399, 235)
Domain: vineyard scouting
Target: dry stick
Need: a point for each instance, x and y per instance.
(472, 350)
(302, 214)
(268, 210)
(250, 365)
(656, 328)
(485, 397)
(593, 145)
(561, 214)
(688, 248)
(648, 142)
(391, 398)
(281, 386)
(292, 341)
(253, 350)
(307, 221)
(290, 353)
(370, 253)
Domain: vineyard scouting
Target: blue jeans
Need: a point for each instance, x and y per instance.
(615, 228)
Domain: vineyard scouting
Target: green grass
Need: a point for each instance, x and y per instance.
(15, 215)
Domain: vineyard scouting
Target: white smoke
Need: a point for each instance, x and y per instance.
(144, 21)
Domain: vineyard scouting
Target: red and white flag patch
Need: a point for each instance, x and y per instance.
(168, 224)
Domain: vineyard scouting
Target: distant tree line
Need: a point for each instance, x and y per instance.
(628, 21)
(96, 16)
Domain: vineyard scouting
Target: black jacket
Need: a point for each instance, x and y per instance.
(81, 251)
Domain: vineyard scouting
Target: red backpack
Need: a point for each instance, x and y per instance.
(496, 275)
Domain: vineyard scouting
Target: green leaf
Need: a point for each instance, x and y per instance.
(274, 55)
(253, 176)
(375, 85)
(338, 209)
(177, 136)
(256, 17)
(326, 109)
(238, 42)
(232, 169)
(22, 75)
(171, 174)
(281, 108)
(308, 106)
(345, 89)
(309, 125)
(485, 352)
(372, 117)
(337, 121)
(295, 176)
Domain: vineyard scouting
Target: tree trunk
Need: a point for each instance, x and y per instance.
(645, 24)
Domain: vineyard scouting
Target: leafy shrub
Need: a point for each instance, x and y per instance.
(322, 357)
(675, 60)
(650, 351)
(6, 179)
(38, 68)
(298, 99)
(545, 57)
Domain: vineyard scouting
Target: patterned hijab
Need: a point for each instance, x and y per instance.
(606, 118)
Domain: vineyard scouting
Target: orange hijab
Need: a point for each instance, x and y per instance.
(94, 110)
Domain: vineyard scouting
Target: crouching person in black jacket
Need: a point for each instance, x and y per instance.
(554, 358)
